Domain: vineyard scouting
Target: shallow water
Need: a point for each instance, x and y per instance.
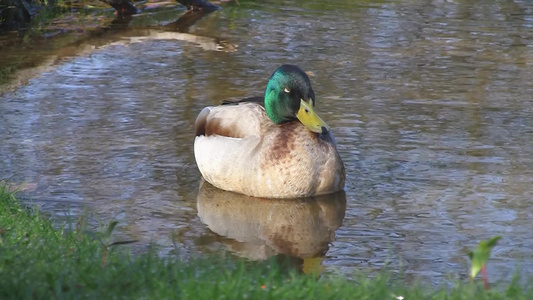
(430, 103)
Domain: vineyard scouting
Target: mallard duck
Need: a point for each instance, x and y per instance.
(274, 146)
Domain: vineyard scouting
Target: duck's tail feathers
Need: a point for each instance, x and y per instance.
(201, 121)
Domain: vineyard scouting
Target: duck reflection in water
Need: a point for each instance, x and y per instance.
(294, 230)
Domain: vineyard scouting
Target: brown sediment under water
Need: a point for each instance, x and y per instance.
(430, 102)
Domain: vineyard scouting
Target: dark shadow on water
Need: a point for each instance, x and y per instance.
(297, 231)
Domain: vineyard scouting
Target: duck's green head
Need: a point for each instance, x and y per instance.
(289, 96)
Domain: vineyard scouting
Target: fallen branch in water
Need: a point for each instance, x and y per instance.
(124, 8)
(198, 5)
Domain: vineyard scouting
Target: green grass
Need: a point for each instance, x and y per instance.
(41, 261)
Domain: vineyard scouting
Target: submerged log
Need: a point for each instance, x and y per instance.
(15, 14)
(198, 5)
(122, 7)
(125, 8)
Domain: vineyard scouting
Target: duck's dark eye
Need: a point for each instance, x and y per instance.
(306, 111)
(286, 90)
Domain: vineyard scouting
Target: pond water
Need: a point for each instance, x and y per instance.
(430, 102)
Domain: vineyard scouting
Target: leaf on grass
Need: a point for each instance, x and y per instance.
(493, 241)
(481, 255)
(123, 242)
(111, 227)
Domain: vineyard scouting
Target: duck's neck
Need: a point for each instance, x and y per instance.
(278, 105)
(274, 107)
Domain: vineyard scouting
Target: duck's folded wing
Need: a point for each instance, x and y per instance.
(235, 121)
(258, 100)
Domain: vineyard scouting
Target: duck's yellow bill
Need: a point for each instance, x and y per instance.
(306, 114)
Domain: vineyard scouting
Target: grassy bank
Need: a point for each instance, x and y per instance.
(40, 261)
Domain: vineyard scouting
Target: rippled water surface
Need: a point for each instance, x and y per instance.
(430, 101)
